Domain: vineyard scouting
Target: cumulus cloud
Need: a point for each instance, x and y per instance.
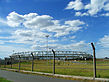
(96, 6)
(43, 23)
(81, 14)
(39, 21)
(24, 33)
(14, 19)
(1, 42)
(35, 27)
(30, 16)
(74, 23)
(102, 47)
(76, 5)
(2, 22)
(76, 46)
(106, 14)
(31, 20)
(106, 7)
(69, 26)
(27, 36)
(72, 37)
(104, 42)
(92, 8)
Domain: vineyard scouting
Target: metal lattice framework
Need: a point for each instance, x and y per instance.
(49, 55)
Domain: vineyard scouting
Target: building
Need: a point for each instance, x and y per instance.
(60, 55)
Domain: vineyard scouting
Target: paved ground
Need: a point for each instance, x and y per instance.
(19, 77)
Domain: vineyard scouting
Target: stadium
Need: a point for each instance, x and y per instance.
(60, 55)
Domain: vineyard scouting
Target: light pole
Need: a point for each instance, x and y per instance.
(47, 42)
(13, 51)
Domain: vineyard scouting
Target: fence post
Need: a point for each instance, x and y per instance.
(19, 62)
(32, 62)
(94, 61)
(53, 61)
(0, 63)
(11, 61)
(5, 63)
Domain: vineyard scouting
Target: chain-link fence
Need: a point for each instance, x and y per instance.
(78, 63)
(102, 61)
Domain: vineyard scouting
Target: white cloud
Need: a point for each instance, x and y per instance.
(81, 14)
(24, 33)
(76, 46)
(30, 16)
(1, 42)
(74, 23)
(72, 38)
(92, 8)
(14, 19)
(35, 27)
(2, 22)
(96, 6)
(31, 20)
(52, 41)
(78, 14)
(76, 5)
(106, 7)
(104, 42)
(8, 50)
(88, 6)
(43, 23)
(39, 21)
(27, 36)
(102, 47)
(106, 14)
(40, 42)
(69, 26)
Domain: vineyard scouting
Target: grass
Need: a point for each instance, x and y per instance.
(77, 68)
(4, 80)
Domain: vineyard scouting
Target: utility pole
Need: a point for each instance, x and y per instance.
(47, 44)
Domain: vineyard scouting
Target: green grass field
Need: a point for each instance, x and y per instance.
(4, 80)
(77, 68)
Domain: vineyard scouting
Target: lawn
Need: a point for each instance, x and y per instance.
(78, 68)
(4, 80)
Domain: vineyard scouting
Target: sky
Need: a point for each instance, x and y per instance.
(71, 25)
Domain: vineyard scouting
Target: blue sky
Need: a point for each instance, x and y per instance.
(70, 24)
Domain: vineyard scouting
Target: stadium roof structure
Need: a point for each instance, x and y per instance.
(49, 55)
